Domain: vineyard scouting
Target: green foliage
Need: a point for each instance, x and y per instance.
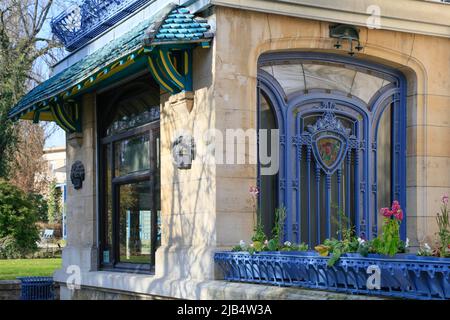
(379, 246)
(345, 230)
(425, 251)
(9, 248)
(41, 205)
(54, 204)
(272, 245)
(259, 235)
(390, 237)
(336, 248)
(260, 242)
(8, 138)
(443, 222)
(364, 248)
(278, 229)
(17, 220)
(236, 248)
(21, 44)
(294, 247)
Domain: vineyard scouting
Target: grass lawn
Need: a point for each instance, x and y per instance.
(10, 269)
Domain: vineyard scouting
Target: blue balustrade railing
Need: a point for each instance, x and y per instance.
(79, 24)
(401, 276)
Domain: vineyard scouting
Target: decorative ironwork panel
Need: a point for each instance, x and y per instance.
(79, 24)
(328, 152)
(323, 130)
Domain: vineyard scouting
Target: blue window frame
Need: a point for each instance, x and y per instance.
(342, 127)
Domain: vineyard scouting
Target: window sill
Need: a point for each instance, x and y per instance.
(130, 269)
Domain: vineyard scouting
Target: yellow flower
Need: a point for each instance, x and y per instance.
(322, 250)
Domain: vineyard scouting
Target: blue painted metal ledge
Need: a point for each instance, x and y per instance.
(402, 276)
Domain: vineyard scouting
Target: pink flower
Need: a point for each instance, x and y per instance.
(399, 215)
(444, 199)
(395, 206)
(386, 212)
(254, 191)
(396, 211)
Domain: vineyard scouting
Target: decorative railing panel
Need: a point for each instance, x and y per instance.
(79, 24)
(402, 276)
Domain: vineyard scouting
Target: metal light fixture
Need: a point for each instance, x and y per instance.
(343, 33)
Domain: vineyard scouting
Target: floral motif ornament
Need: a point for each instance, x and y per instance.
(329, 139)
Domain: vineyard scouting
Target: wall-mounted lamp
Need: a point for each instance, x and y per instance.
(343, 33)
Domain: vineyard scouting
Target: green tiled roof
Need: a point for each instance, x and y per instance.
(81, 70)
(179, 26)
(168, 22)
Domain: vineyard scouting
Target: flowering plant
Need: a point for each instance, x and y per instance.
(390, 238)
(269, 245)
(258, 229)
(425, 250)
(260, 242)
(347, 242)
(443, 222)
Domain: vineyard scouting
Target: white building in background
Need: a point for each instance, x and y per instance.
(56, 160)
(56, 170)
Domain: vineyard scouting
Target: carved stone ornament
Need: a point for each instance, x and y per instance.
(77, 174)
(183, 151)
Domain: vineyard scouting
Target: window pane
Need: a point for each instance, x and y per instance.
(132, 155)
(107, 225)
(384, 161)
(157, 193)
(135, 223)
(269, 183)
(133, 111)
(297, 77)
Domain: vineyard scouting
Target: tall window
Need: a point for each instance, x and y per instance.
(129, 176)
(342, 143)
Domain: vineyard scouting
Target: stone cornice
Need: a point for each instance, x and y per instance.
(412, 16)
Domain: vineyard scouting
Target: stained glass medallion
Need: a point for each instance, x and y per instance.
(329, 150)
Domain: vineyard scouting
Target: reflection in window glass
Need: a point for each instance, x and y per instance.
(132, 155)
(269, 184)
(107, 208)
(133, 111)
(384, 161)
(135, 223)
(297, 77)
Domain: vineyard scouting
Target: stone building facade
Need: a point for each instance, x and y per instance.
(207, 207)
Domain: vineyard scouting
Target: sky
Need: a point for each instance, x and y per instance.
(58, 138)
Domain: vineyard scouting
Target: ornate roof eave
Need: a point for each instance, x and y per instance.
(175, 42)
(56, 98)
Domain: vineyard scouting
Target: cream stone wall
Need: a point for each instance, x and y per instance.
(242, 36)
(81, 249)
(188, 197)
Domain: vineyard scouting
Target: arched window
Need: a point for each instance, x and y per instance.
(129, 177)
(342, 142)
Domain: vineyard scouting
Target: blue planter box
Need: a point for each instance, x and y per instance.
(403, 275)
